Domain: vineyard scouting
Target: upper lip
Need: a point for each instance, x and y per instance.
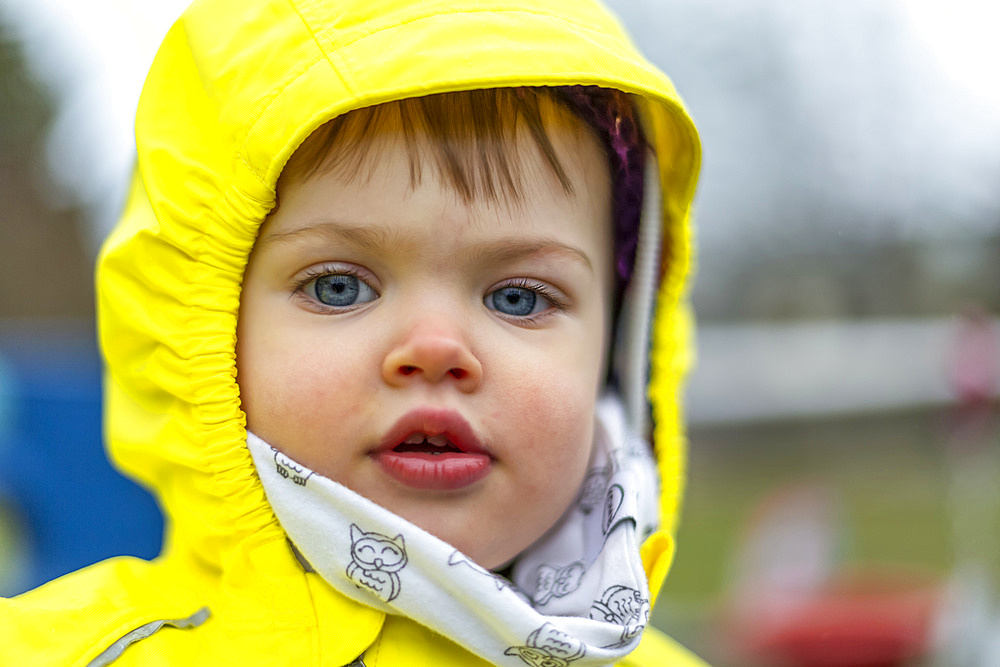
(434, 422)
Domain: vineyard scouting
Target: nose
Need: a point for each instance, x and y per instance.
(435, 353)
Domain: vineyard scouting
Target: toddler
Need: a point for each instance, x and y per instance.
(377, 321)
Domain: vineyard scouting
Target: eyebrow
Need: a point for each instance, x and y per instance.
(363, 237)
(372, 238)
(508, 250)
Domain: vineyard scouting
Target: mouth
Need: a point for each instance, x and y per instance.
(433, 449)
(435, 445)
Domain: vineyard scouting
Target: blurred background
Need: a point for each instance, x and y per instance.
(843, 505)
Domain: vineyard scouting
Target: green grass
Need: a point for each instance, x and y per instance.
(888, 474)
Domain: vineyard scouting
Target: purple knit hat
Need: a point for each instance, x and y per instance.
(613, 119)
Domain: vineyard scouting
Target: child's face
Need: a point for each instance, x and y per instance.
(376, 313)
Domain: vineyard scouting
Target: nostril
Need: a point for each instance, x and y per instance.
(458, 373)
(407, 370)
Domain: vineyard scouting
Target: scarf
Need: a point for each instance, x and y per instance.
(577, 597)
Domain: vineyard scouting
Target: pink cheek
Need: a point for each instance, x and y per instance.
(308, 377)
(550, 385)
(554, 418)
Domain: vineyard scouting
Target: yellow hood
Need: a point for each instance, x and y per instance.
(235, 88)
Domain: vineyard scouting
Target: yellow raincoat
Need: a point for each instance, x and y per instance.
(236, 86)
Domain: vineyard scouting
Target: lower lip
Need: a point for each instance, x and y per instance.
(437, 472)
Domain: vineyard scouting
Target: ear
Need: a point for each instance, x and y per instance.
(399, 539)
(356, 533)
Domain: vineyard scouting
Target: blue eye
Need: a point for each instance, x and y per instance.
(341, 290)
(516, 301)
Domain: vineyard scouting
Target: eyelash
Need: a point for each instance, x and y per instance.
(315, 273)
(555, 298)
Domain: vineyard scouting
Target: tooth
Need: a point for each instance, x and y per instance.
(414, 439)
(438, 440)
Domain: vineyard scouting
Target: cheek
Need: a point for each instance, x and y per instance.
(550, 407)
(325, 382)
(294, 389)
(556, 383)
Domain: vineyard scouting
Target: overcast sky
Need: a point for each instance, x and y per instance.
(882, 114)
(885, 112)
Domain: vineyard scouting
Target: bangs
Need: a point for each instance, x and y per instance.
(469, 139)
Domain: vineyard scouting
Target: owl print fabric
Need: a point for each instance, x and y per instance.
(576, 598)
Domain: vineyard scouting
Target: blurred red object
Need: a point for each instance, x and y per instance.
(794, 603)
(973, 366)
(865, 619)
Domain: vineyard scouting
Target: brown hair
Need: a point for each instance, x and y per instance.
(467, 136)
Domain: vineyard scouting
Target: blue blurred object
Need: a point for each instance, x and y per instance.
(72, 507)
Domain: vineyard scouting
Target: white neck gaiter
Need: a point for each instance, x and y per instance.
(579, 596)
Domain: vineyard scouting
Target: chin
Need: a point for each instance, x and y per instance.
(469, 538)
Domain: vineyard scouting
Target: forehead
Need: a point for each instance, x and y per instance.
(382, 209)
